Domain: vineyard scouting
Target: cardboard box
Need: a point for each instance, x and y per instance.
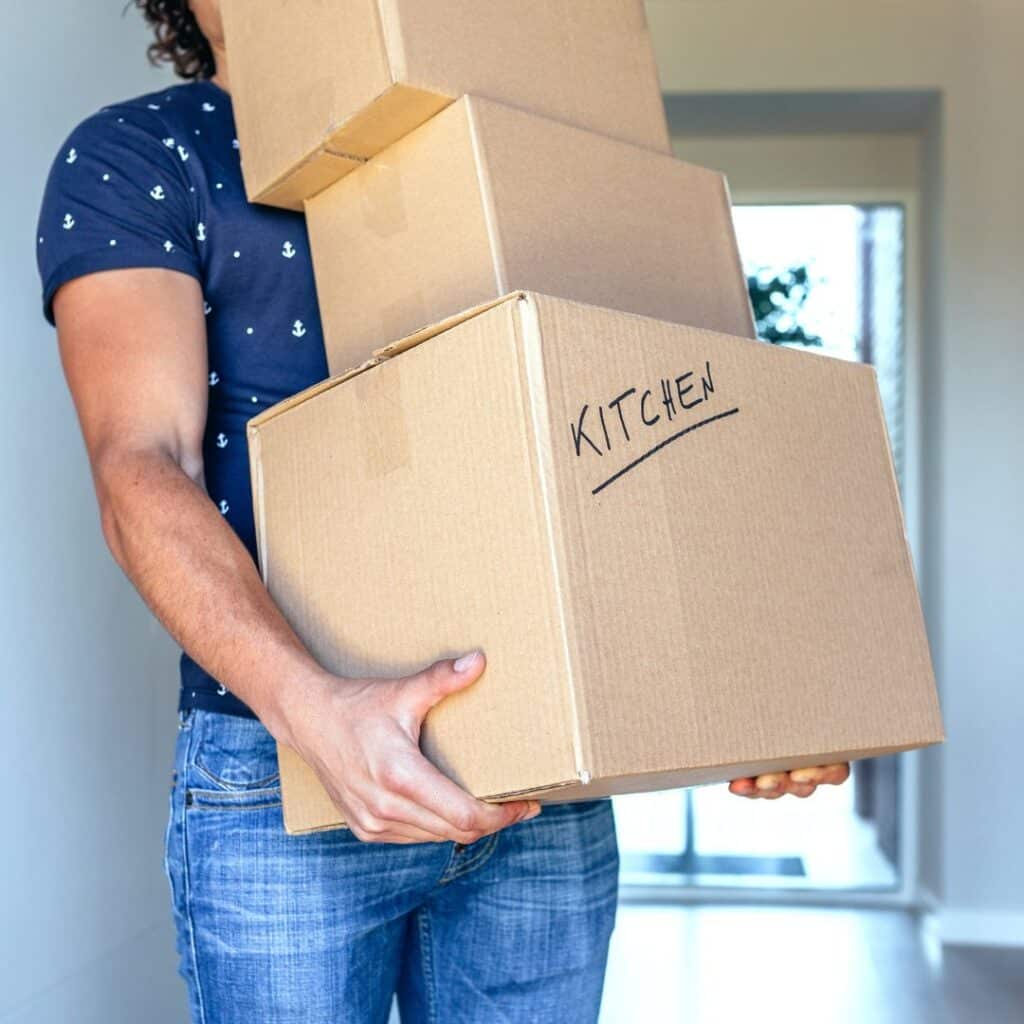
(321, 86)
(682, 552)
(485, 199)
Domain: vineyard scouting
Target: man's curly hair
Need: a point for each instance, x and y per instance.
(178, 38)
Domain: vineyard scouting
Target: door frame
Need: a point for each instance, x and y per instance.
(908, 895)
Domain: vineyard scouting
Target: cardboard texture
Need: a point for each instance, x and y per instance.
(485, 199)
(682, 551)
(320, 86)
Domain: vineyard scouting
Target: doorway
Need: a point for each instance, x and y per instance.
(830, 275)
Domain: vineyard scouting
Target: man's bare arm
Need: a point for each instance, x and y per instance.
(139, 381)
(133, 346)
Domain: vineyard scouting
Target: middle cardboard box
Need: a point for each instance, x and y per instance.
(485, 199)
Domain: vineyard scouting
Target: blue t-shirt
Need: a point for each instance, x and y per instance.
(156, 182)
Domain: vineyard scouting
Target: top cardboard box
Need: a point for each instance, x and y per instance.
(320, 86)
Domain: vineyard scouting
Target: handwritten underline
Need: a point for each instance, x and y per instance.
(663, 444)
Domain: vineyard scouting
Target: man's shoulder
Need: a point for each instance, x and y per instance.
(159, 114)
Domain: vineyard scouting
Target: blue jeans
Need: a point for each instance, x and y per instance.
(324, 929)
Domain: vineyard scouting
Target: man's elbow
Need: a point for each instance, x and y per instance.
(127, 481)
(108, 480)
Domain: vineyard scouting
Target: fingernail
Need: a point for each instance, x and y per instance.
(466, 662)
(532, 813)
(766, 785)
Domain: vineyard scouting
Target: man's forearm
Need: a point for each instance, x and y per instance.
(196, 575)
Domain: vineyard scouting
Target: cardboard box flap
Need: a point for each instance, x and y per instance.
(432, 330)
(394, 113)
(307, 393)
(379, 355)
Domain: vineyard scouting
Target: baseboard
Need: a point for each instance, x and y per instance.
(957, 926)
(928, 901)
(981, 927)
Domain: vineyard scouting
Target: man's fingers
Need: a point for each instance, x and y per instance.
(742, 787)
(401, 814)
(771, 784)
(367, 823)
(416, 779)
(394, 834)
(828, 774)
(750, 788)
(802, 789)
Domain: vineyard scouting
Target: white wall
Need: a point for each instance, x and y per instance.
(973, 417)
(89, 679)
(758, 165)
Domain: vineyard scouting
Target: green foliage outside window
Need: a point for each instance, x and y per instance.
(777, 300)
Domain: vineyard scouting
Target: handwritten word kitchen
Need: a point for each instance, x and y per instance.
(619, 421)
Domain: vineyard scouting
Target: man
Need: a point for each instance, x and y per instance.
(176, 303)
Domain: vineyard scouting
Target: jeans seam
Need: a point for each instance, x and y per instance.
(480, 858)
(243, 800)
(187, 887)
(427, 961)
(234, 787)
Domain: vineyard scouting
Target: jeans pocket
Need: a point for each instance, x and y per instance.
(233, 763)
(219, 800)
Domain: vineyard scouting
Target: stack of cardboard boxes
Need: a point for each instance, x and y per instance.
(549, 431)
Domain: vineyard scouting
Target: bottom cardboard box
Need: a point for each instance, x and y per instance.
(682, 552)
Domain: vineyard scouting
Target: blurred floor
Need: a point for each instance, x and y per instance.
(738, 965)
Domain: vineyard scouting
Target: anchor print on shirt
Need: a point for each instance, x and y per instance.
(221, 690)
(68, 222)
(200, 232)
(222, 441)
(72, 155)
(224, 507)
(214, 379)
(288, 251)
(183, 153)
(169, 142)
(157, 192)
(299, 329)
(168, 246)
(208, 108)
(207, 308)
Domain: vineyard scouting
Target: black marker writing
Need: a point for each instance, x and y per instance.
(579, 435)
(616, 404)
(676, 395)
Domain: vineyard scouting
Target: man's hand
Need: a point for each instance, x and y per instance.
(361, 737)
(800, 782)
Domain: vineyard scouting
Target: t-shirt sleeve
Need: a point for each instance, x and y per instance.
(118, 195)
